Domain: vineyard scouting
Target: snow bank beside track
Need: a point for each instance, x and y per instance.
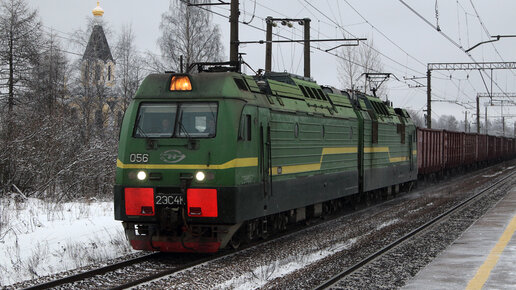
(39, 238)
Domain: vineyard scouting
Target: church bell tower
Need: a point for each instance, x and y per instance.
(98, 63)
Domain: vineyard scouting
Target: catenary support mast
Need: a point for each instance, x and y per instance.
(234, 42)
(459, 66)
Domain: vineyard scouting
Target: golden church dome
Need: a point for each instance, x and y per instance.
(98, 11)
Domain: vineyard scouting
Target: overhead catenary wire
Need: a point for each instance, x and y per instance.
(407, 64)
(450, 40)
(487, 32)
(382, 35)
(458, 23)
(435, 27)
(385, 36)
(287, 38)
(371, 46)
(252, 17)
(342, 28)
(461, 48)
(318, 48)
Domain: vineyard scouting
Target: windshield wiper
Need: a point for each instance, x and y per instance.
(139, 130)
(181, 126)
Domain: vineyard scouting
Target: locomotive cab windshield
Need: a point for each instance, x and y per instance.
(178, 120)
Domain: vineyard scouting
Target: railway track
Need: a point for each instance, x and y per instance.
(155, 266)
(147, 268)
(127, 273)
(333, 282)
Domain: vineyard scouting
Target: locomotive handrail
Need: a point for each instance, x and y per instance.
(216, 66)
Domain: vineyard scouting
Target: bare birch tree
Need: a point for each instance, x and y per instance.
(447, 122)
(188, 31)
(355, 61)
(417, 118)
(348, 67)
(129, 67)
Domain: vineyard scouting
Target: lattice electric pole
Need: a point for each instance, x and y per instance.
(501, 104)
(458, 66)
(271, 22)
(495, 96)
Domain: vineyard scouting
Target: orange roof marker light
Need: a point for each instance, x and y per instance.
(180, 83)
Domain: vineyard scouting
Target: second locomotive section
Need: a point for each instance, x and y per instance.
(209, 159)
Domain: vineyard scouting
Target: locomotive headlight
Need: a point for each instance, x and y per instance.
(141, 175)
(200, 176)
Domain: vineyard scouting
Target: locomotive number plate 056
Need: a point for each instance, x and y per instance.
(169, 199)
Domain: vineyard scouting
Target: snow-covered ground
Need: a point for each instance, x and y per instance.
(279, 268)
(38, 238)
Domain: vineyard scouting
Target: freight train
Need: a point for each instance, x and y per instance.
(212, 159)
(441, 151)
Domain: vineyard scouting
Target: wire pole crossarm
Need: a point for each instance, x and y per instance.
(497, 95)
(415, 80)
(480, 43)
(347, 44)
(472, 66)
(459, 66)
(208, 4)
(299, 40)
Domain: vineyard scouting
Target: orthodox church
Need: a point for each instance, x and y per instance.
(98, 98)
(98, 53)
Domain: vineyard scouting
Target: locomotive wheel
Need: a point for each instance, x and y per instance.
(239, 238)
(235, 242)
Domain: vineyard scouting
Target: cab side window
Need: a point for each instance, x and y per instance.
(244, 133)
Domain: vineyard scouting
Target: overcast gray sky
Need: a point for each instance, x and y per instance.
(407, 42)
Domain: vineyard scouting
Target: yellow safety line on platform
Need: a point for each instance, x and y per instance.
(485, 270)
(235, 163)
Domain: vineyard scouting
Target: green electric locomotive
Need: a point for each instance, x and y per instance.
(210, 159)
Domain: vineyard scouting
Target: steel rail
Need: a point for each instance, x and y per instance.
(146, 278)
(158, 274)
(171, 271)
(94, 272)
(328, 283)
(293, 230)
